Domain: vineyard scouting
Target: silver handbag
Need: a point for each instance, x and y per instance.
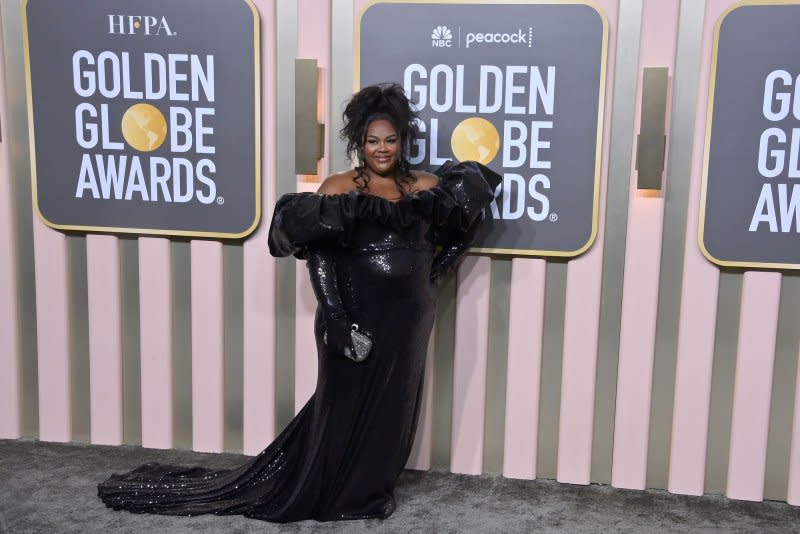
(362, 344)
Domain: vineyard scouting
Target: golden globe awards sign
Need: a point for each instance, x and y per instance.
(144, 115)
(516, 86)
(750, 211)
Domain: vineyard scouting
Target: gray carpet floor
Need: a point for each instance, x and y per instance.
(50, 488)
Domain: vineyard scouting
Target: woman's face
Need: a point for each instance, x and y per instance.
(381, 147)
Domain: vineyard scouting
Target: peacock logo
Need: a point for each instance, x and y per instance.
(441, 37)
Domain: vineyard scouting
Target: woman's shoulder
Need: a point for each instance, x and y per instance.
(425, 180)
(342, 182)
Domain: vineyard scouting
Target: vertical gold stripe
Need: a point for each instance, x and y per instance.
(723, 370)
(497, 365)
(684, 102)
(233, 386)
(552, 349)
(19, 166)
(181, 345)
(444, 344)
(783, 390)
(286, 29)
(625, 77)
(131, 350)
(79, 337)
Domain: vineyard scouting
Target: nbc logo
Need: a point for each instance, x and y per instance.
(442, 37)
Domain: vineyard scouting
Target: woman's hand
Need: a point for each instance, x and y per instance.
(337, 334)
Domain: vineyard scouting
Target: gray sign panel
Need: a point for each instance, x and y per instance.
(518, 87)
(751, 209)
(145, 115)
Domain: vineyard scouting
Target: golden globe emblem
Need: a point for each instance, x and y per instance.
(144, 127)
(475, 139)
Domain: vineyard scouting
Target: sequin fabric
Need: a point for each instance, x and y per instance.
(373, 262)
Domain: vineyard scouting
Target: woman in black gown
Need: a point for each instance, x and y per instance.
(376, 241)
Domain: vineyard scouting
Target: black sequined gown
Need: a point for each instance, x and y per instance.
(340, 456)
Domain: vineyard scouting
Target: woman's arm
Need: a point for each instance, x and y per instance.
(456, 245)
(322, 270)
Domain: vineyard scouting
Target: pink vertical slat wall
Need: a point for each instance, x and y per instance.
(582, 315)
(105, 339)
(698, 311)
(10, 409)
(155, 338)
(207, 346)
(755, 358)
(52, 332)
(525, 336)
(259, 267)
(642, 265)
(469, 367)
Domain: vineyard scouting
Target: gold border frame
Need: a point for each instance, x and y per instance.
(151, 231)
(712, 84)
(600, 111)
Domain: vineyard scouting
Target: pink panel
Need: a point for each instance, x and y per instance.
(578, 369)
(752, 390)
(52, 333)
(697, 324)
(582, 316)
(525, 333)
(10, 424)
(259, 267)
(305, 346)
(420, 457)
(155, 332)
(642, 270)
(313, 42)
(793, 491)
(469, 367)
(207, 346)
(105, 339)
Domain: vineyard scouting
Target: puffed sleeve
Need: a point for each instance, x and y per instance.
(469, 187)
(301, 219)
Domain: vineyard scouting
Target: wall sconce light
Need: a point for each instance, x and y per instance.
(309, 135)
(651, 141)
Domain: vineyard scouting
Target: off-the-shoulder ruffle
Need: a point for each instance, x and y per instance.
(300, 219)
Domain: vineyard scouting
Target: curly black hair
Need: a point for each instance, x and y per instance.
(385, 101)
